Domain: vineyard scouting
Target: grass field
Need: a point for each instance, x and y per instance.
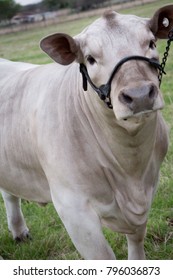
(49, 238)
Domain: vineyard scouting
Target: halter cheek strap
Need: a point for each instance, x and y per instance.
(104, 90)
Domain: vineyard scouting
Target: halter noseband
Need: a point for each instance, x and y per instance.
(104, 90)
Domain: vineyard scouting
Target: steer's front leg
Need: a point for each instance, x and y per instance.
(83, 225)
(136, 244)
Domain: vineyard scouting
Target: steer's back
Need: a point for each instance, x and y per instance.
(9, 68)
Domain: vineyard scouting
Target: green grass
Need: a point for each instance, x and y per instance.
(24, 45)
(49, 238)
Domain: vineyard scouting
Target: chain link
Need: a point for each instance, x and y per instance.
(165, 56)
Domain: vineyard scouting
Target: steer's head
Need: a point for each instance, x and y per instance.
(135, 86)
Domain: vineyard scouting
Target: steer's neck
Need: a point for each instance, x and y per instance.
(130, 142)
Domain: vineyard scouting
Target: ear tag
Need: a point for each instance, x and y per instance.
(165, 22)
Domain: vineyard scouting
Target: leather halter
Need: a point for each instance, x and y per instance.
(104, 90)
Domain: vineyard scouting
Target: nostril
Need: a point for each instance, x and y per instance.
(152, 93)
(126, 98)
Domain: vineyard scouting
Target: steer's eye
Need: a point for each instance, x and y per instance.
(152, 45)
(91, 59)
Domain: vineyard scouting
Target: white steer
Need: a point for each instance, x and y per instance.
(60, 143)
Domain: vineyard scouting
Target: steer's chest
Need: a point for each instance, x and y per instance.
(127, 202)
(113, 218)
(123, 218)
(117, 178)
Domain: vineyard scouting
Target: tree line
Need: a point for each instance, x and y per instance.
(8, 8)
(73, 4)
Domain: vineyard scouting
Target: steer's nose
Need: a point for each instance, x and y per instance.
(139, 99)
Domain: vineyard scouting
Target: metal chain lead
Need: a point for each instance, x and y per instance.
(165, 56)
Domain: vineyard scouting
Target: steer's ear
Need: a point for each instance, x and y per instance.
(61, 47)
(162, 22)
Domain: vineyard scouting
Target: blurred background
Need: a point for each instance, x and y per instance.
(17, 15)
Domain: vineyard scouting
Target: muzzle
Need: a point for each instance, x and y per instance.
(104, 90)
